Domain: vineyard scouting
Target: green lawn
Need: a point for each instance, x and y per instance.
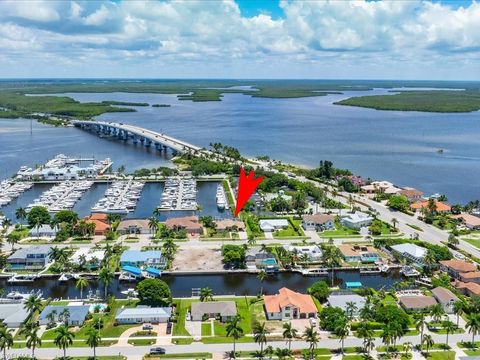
(339, 231)
(141, 342)
(471, 241)
(441, 355)
(290, 231)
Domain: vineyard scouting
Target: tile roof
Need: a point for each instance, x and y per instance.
(444, 295)
(459, 265)
(469, 219)
(188, 222)
(472, 287)
(318, 218)
(275, 303)
(229, 223)
(440, 206)
(417, 302)
(224, 308)
(139, 223)
(353, 250)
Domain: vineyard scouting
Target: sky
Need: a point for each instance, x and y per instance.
(247, 39)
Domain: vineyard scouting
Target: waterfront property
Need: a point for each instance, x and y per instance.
(342, 301)
(143, 314)
(385, 187)
(411, 252)
(357, 220)
(261, 260)
(311, 252)
(359, 253)
(88, 258)
(417, 303)
(269, 225)
(189, 223)
(45, 230)
(101, 223)
(412, 195)
(134, 226)
(137, 258)
(468, 288)
(440, 207)
(13, 315)
(470, 221)
(72, 315)
(318, 222)
(445, 298)
(289, 305)
(458, 269)
(30, 258)
(223, 310)
(229, 225)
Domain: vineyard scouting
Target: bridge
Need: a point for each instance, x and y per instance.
(137, 134)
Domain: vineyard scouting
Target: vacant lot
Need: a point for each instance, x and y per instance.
(190, 259)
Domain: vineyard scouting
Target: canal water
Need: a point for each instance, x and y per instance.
(221, 284)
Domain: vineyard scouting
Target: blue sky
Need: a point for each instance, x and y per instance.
(241, 39)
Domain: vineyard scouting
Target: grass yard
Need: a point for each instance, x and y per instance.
(141, 342)
(340, 231)
(471, 241)
(440, 355)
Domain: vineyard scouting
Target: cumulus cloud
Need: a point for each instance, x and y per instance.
(310, 32)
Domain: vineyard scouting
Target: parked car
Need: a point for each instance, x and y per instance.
(188, 317)
(169, 328)
(148, 327)
(157, 351)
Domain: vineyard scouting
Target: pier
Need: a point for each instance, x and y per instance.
(120, 198)
(179, 194)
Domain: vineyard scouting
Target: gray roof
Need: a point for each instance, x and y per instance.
(143, 312)
(341, 300)
(78, 313)
(411, 249)
(23, 252)
(224, 308)
(444, 295)
(13, 313)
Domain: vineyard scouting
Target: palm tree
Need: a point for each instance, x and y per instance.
(33, 304)
(420, 324)
(473, 325)
(6, 340)
(63, 339)
(31, 334)
(366, 332)
(428, 341)
(262, 275)
(437, 312)
(394, 223)
(156, 212)
(260, 333)
(234, 330)
(311, 336)
(332, 258)
(351, 308)
(342, 330)
(106, 276)
(153, 224)
(206, 294)
(407, 347)
(387, 336)
(81, 284)
(459, 309)
(289, 333)
(449, 328)
(20, 213)
(65, 315)
(93, 340)
(283, 354)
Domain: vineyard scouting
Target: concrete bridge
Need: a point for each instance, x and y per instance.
(137, 134)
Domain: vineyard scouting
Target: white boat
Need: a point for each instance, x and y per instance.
(22, 278)
(409, 271)
(315, 272)
(131, 292)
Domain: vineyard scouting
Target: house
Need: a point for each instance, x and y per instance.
(455, 267)
(138, 258)
(143, 314)
(261, 260)
(473, 276)
(134, 226)
(318, 222)
(470, 288)
(412, 195)
(411, 252)
(229, 225)
(73, 315)
(32, 257)
(342, 301)
(313, 252)
(13, 315)
(470, 221)
(224, 310)
(189, 223)
(417, 303)
(445, 298)
(289, 305)
(357, 220)
(359, 253)
(380, 186)
(269, 225)
(44, 230)
(440, 207)
(102, 227)
(89, 257)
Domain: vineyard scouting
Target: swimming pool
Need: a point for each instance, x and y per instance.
(99, 306)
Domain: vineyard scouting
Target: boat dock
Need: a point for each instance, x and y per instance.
(120, 198)
(62, 196)
(179, 194)
(10, 190)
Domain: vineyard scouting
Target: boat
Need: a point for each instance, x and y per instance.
(315, 272)
(370, 270)
(67, 277)
(130, 292)
(18, 296)
(221, 198)
(384, 268)
(409, 271)
(22, 278)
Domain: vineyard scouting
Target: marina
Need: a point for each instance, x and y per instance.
(62, 196)
(179, 194)
(120, 198)
(10, 190)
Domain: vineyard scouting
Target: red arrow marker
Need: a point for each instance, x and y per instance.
(246, 187)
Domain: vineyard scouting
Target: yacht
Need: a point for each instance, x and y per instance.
(22, 278)
(315, 272)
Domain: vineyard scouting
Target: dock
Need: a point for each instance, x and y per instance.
(179, 194)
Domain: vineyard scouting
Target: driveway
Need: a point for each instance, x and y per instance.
(194, 328)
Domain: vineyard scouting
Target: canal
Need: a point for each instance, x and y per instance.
(221, 284)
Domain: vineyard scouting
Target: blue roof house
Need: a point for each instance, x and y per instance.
(73, 315)
(137, 258)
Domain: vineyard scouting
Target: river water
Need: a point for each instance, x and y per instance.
(221, 284)
(398, 146)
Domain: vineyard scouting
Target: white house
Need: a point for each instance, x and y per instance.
(342, 301)
(412, 252)
(445, 298)
(357, 220)
(269, 225)
(44, 230)
(318, 222)
(313, 252)
(143, 314)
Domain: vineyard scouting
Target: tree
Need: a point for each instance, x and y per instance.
(473, 325)
(310, 335)
(6, 340)
(342, 330)
(351, 309)
(106, 276)
(262, 275)
(289, 333)
(153, 224)
(81, 284)
(428, 341)
(37, 216)
(437, 312)
(13, 238)
(420, 323)
(283, 354)
(394, 223)
(365, 331)
(21, 214)
(234, 330)
(459, 309)
(33, 304)
(319, 290)
(453, 240)
(93, 340)
(260, 333)
(449, 328)
(407, 347)
(30, 330)
(398, 202)
(63, 339)
(332, 258)
(154, 292)
(206, 294)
